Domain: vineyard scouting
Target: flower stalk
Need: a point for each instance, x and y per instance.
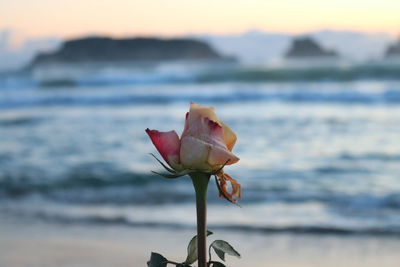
(203, 149)
(200, 183)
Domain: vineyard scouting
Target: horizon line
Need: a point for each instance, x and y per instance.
(191, 33)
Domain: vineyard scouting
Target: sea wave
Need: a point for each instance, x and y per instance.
(390, 94)
(363, 72)
(309, 229)
(91, 185)
(19, 121)
(385, 157)
(190, 74)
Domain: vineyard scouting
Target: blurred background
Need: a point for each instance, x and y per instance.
(312, 89)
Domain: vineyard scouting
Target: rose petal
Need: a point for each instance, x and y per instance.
(206, 130)
(168, 145)
(213, 139)
(194, 153)
(186, 124)
(197, 112)
(229, 136)
(219, 156)
(208, 137)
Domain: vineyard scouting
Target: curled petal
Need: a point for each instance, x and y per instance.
(229, 136)
(197, 112)
(186, 126)
(223, 180)
(168, 145)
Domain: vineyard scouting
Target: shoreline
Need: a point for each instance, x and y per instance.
(37, 243)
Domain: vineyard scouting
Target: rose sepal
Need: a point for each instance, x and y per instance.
(176, 174)
(162, 164)
(172, 174)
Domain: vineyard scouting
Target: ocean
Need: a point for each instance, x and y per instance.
(319, 147)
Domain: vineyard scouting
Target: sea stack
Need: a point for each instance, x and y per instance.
(393, 51)
(306, 47)
(132, 50)
(99, 59)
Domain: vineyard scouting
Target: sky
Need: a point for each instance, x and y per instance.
(72, 18)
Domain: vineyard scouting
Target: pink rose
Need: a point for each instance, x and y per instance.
(205, 145)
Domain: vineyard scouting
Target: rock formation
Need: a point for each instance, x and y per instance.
(134, 50)
(305, 47)
(393, 50)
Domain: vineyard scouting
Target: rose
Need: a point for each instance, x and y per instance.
(203, 149)
(205, 145)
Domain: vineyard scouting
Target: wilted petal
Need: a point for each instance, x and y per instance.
(235, 193)
(168, 145)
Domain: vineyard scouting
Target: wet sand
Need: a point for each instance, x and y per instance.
(43, 244)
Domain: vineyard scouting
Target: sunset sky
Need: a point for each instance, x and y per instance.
(67, 18)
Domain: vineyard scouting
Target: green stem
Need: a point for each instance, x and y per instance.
(200, 182)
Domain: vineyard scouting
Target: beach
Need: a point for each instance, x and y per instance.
(319, 164)
(294, 107)
(44, 244)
